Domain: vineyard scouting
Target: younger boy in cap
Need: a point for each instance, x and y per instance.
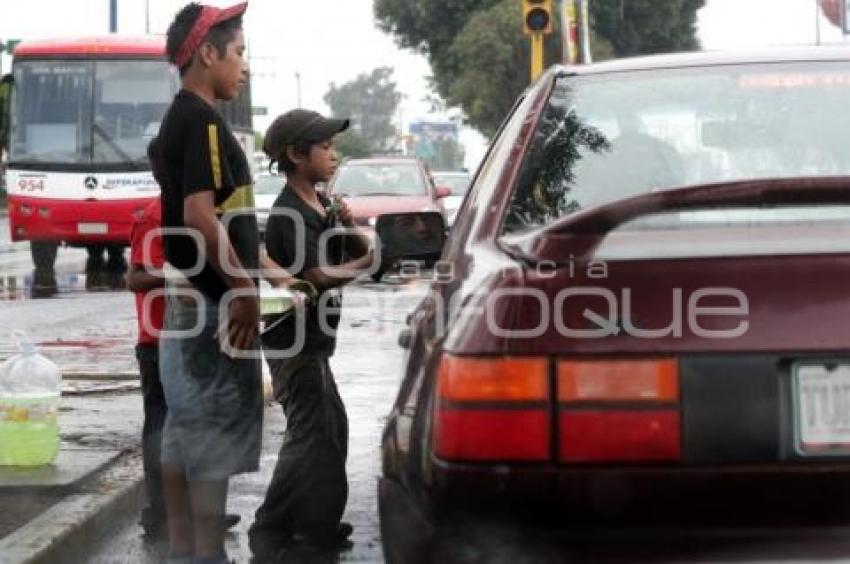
(208, 354)
(308, 492)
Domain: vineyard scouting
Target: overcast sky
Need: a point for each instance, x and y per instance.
(335, 40)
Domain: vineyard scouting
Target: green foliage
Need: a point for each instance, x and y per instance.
(493, 65)
(480, 59)
(370, 101)
(430, 27)
(447, 154)
(350, 144)
(258, 141)
(636, 27)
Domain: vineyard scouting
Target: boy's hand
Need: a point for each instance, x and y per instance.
(345, 215)
(243, 321)
(386, 261)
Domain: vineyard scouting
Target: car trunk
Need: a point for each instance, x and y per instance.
(699, 347)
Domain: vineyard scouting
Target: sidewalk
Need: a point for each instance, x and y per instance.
(94, 484)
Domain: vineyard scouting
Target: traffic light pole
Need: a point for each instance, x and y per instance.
(536, 55)
(536, 24)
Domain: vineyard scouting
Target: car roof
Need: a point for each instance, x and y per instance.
(712, 58)
(381, 161)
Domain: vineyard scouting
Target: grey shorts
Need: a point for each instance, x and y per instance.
(215, 405)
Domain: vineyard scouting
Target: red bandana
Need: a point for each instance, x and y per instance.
(209, 17)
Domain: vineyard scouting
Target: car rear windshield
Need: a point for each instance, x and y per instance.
(384, 179)
(606, 137)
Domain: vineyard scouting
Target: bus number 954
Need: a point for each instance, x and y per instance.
(31, 184)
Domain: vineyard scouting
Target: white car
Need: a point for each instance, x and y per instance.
(267, 187)
(458, 183)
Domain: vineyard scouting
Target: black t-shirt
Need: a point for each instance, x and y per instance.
(281, 240)
(200, 153)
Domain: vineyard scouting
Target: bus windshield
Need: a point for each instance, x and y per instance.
(88, 112)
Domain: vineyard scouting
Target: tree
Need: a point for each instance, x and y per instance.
(370, 101)
(492, 59)
(354, 145)
(258, 140)
(445, 153)
(479, 57)
(637, 27)
(430, 27)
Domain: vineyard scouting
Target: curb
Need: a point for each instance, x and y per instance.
(70, 529)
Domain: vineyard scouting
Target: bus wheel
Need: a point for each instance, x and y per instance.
(43, 255)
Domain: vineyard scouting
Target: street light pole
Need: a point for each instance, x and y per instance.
(113, 16)
(583, 9)
(298, 83)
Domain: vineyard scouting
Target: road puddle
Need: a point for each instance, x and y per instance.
(35, 285)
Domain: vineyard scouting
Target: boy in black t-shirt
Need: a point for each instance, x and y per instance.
(209, 367)
(307, 496)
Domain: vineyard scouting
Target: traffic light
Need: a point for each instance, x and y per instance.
(537, 17)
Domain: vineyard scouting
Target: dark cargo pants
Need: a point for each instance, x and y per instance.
(309, 488)
(155, 409)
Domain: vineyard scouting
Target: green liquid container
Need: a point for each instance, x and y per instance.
(29, 433)
(30, 386)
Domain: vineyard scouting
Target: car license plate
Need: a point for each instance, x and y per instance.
(822, 407)
(92, 228)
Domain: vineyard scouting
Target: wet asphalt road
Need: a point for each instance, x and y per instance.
(367, 365)
(95, 331)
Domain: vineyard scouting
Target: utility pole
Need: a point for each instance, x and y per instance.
(569, 32)
(582, 7)
(113, 16)
(298, 85)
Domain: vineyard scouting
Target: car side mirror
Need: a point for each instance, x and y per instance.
(443, 192)
(411, 236)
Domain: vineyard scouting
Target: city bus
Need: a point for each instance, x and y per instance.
(82, 113)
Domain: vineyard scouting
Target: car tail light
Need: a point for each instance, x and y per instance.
(492, 409)
(618, 410)
(502, 379)
(618, 380)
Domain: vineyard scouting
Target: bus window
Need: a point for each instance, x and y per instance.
(52, 112)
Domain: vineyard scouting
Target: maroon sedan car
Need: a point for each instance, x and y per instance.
(643, 301)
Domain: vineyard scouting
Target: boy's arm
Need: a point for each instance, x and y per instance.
(140, 280)
(324, 278)
(145, 255)
(244, 310)
(273, 272)
(356, 244)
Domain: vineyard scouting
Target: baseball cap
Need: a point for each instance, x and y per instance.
(300, 125)
(210, 16)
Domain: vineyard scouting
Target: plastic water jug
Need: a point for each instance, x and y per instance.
(30, 385)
